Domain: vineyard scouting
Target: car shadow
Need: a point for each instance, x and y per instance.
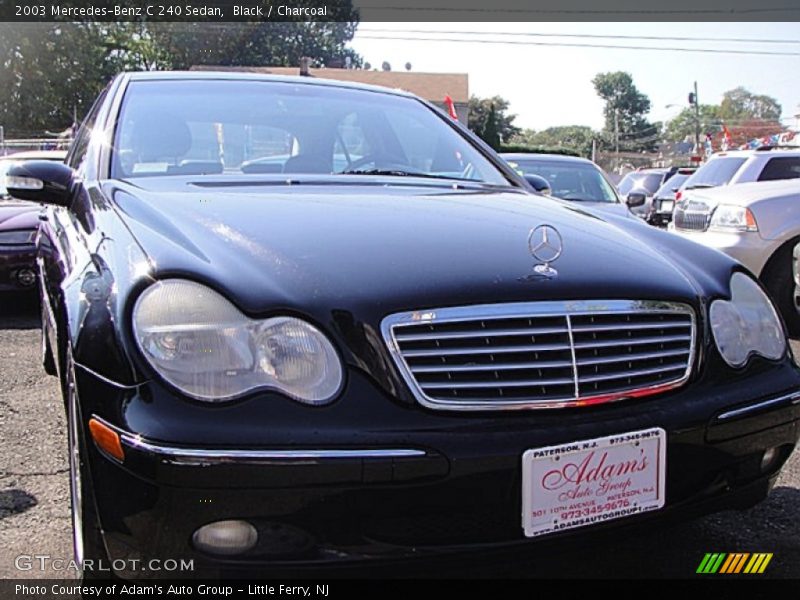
(19, 311)
(13, 502)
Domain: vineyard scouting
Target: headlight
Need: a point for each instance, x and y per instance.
(746, 324)
(17, 237)
(200, 343)
(727, 217)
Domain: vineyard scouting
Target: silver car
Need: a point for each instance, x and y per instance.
(756, 223)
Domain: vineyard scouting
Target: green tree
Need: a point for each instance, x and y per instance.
(254, 44)
(479, 109)
(682, 127)
(570, 137)
(741, 104)
(51, 71)
(625, 112)
(490, 134)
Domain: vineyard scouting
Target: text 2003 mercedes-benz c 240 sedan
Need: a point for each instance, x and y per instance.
(307, 323)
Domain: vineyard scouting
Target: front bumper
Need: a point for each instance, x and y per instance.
(749, 248)
(17, 268)
(398, 484)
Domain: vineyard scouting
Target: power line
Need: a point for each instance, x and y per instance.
(592, 36)
(576, 45)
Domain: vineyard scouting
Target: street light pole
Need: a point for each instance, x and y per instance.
(696, 120)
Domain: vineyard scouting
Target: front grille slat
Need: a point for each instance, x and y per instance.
(479, 333)
(631, 373)
(545, 364)
(485, 350)
(496, 384)
(632, 342)
(542, 354)
(630, 357)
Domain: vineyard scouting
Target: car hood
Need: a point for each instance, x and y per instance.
(16, 214)
(742, 194)
(320, 249)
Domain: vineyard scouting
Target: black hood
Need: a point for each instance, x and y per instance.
(318, 248)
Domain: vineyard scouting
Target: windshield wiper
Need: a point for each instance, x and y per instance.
(401, 173)
(698, 186)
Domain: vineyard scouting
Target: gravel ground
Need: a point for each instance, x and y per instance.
(34, 490)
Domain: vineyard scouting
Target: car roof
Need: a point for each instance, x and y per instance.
(245, 76)
(744, 193)
(756, 152)
(550, 157)
(36, 155)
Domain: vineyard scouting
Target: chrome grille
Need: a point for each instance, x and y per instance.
(691, 215)
(542, 354)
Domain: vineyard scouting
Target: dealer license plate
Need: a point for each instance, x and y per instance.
(592, 481)
(666, 206)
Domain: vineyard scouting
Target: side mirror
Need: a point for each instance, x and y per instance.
(540, 184)
(41, 181)
(635, 199)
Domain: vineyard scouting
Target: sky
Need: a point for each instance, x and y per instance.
(549, 86)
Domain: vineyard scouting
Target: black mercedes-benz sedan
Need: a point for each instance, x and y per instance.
(308, 324)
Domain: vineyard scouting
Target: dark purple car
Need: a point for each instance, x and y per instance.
(19, 222)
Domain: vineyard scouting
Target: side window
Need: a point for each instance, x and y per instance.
(784, 167)
(77, 152)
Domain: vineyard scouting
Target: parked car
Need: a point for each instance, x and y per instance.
(664, 198)
(639, 187)
(569, 178)
(402, 359)
(768, 163)
(758, 224)
(18, 224)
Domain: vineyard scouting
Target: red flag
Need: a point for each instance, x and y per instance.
(451, 107)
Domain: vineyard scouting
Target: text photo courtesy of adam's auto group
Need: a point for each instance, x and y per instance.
(341, 297)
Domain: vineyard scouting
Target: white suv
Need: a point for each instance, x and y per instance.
(756, 223)
(768, 163)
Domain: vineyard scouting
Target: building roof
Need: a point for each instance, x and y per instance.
(430, 86)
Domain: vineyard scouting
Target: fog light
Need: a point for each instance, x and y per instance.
(26, 277)
(225, 537)
(769, 459)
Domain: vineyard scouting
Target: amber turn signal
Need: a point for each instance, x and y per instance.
(107, 439)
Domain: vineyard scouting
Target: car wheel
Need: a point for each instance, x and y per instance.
(777, 278)
(87, 541)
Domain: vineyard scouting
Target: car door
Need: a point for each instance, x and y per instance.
(61, 244)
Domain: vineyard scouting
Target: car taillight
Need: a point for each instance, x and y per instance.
(678, 196)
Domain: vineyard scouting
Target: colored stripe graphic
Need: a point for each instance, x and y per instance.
(734, 563)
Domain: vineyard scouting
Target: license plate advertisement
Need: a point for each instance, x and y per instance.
(589, 482)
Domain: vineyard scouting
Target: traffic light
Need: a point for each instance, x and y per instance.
(692, 98)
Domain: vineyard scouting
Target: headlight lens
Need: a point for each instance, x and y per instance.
(746, 324)
(17, 237)
(203, 345)
(727, 217)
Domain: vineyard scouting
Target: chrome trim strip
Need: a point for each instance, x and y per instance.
(195, 456)
(104, 379)
(790, 399)
(393, 323)
(576, 382)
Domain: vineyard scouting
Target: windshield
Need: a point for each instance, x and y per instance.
(216, 127)
(717, 171)
(671, 185)
(569, 180)
(638, 182)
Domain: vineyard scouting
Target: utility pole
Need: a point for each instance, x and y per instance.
(693, 100)
(616, 139)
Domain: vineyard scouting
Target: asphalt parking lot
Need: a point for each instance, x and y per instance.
(34, 491)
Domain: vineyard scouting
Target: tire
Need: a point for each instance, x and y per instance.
(87, 540)
(778, 279)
